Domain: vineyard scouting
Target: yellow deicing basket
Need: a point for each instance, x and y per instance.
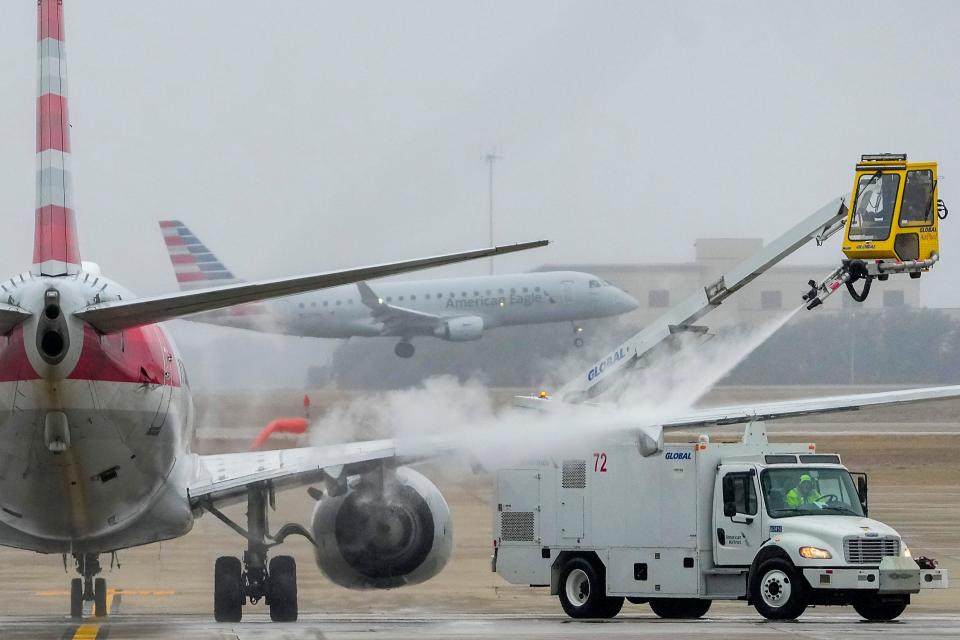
(894, 214)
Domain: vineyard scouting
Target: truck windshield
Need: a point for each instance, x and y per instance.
(808, 491)
(874, 206)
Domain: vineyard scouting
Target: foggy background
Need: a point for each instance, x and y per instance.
(304, 136)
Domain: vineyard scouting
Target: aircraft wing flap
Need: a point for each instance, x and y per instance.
(224, 477)
(810, 406)
(109, 317)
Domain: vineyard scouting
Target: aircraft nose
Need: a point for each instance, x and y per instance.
(626, 302)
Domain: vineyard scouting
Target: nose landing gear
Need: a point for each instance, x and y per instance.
(88, 588)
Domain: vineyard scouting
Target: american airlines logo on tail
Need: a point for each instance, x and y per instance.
(196, 267)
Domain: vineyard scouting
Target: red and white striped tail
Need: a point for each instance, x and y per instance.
(55, 248)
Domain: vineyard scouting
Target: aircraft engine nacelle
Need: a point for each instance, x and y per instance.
(462, 329)
(391, 529)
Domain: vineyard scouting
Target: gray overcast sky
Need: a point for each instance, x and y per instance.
(301, 135)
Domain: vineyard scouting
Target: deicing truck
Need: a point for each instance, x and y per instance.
(779, 526)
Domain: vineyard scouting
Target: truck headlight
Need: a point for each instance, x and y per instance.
(815, 553)
(906, 552)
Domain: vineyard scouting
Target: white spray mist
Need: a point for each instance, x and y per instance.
(442, 414)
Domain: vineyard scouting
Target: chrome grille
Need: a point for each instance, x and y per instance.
(516, 526)
(870, 550)
(574, 474)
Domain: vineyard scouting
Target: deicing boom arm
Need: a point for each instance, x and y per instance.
(681, 318)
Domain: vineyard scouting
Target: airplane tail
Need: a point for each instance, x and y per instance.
(195, 265)
(55, 249)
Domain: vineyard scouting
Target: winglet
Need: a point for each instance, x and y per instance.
(368, 297)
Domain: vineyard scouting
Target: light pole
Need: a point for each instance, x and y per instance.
(490, 158)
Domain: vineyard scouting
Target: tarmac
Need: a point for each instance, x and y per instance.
(512, 627)
(165, 590)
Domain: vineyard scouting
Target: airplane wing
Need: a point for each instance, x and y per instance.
(109, 317)
(10, 317)
(394, 317)
(810, 406)
(224, 478)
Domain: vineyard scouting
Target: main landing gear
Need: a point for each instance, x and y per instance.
(87, 588)
(236, 583)
(404, 349)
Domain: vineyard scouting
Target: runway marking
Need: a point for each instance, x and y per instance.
(87, 632)
(110, 593)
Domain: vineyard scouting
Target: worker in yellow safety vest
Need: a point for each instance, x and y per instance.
(804, 493)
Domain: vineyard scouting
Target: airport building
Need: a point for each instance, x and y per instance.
(658, 286)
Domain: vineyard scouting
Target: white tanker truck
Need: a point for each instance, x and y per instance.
(701, 522)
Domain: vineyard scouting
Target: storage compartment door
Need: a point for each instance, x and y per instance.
(518, 507)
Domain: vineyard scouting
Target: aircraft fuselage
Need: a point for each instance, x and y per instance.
(94, 442)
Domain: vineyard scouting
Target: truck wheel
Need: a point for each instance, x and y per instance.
(582, 592)
(778, 591)
(873, 607)
(680, 608)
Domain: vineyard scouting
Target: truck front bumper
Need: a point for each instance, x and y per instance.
(894, 575)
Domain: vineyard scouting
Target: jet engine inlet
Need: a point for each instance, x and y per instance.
(392, 528)
(385, 537)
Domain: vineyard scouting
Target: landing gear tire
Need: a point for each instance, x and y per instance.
(778, 590)
(582, 592)
(578, 342)
(76, 598)
(227, 590)
(680, 608)
(404, 350)
(875, 608)
(100, 598)
(283, 589)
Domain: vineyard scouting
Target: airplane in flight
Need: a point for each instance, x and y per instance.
(453, 309)
(96, 420)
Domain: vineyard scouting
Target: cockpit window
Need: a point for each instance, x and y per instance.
(917, 207)
(809, 491)
(594, 284)
(874, 206)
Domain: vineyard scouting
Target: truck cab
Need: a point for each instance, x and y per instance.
(798, 523)
(777, 525)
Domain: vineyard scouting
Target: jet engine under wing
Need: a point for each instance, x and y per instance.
(108, 317)
(395, 318)
(810, 406)
(223, 478)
